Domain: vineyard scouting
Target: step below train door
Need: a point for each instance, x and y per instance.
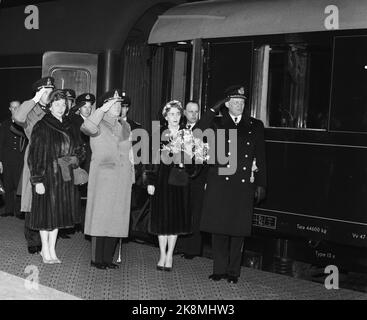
(77, 71)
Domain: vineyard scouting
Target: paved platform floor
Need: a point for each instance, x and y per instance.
(138, 278)
(16, 288)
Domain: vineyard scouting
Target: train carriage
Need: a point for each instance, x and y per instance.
(305, 66)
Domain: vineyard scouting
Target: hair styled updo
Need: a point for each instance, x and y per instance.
(172, 104)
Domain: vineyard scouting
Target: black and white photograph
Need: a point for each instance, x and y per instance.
(183, 157)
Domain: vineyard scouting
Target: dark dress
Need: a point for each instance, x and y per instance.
(170, 214)
(59, 207)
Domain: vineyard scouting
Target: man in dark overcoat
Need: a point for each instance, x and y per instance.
(77, 115)
(191, 245)
(233, 181)
(79, 112)
(138, 193)
(12, 147)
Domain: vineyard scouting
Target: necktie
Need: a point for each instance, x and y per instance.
(235, 120)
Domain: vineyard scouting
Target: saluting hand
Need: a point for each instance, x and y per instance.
(151, 190)
(40, 188)
(37, 97)
(219, 104)
(107, 105)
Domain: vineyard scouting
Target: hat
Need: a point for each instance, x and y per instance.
(70, 93)
(236, 91)
(46, 82)
(114, 94)
(85, 97)
(125, 99)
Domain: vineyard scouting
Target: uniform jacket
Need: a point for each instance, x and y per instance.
(228, 200)
(77, 120)
(111, 176)
(27, 115)
(12, 145)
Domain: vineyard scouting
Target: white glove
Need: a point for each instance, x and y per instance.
(40, 188)
(1, 167)
(39, 95)
(107, 105)
(151, 189)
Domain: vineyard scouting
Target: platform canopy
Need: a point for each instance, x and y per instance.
(218, 19)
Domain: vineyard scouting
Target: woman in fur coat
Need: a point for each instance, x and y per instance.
(55, 150)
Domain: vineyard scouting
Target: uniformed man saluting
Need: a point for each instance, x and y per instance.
(228, 200)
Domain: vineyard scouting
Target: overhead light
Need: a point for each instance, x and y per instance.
(365, 67)
(181, 42)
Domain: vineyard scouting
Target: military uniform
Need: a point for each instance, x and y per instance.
(77, 120)
(228, 199)
(138, 193)
(12, 146)
(70, 95)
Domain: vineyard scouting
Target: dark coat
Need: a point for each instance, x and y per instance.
(12, 144)
(59, 207)
(228, 199)
(77, 120)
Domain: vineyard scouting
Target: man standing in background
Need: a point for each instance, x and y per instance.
(12, 146)
(191, 245)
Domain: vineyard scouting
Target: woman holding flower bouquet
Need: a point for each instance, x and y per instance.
(169, 185)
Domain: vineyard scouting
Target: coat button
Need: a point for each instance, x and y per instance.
(227, 178)
(243, 180)
(244, 168)
(250, 132)
(246, 156)
(229, 141)
(229, 153)
(248, 143)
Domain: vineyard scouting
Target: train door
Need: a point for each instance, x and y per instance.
(179, 65)
(77, 71)
(226, 64)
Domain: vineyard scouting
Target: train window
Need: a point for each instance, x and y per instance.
(77, 79)
(181, 74)
(295, 84)
(349, 94)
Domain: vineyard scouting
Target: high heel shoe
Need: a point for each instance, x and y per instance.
(57, 260)
(160, 268)
(168, 268)
(46, 261)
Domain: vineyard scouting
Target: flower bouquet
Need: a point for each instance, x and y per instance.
(184, 148)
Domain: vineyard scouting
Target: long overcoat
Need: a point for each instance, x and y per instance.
(59, 206)
(228, 199)
(111, 176)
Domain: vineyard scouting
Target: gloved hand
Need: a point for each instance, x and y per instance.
(219, 104)
(259, 194)
(107, 105)
(37, 97)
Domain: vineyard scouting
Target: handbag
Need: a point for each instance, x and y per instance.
(178, 177)
(80, 176)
